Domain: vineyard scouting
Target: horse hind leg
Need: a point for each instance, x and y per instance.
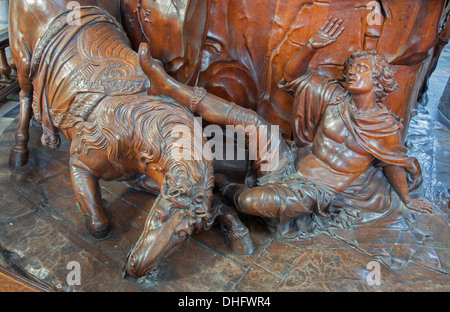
(19, 153)
(21, 59)
(238, 236)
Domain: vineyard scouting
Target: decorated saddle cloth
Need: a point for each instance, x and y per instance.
(76, 65)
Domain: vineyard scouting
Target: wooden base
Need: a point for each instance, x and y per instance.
(12, 282)
(42, 229)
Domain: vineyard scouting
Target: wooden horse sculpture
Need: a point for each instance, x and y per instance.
(87, 84)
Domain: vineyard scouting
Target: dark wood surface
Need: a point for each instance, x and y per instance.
(247, 46)
(12, 282)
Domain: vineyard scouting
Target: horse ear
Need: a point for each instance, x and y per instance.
(167, 190)
(147, 160)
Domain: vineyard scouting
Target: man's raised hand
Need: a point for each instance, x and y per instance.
(327, 34)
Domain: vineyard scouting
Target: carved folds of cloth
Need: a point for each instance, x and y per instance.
(75, 67)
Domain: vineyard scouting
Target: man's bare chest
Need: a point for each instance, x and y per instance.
(333, 129)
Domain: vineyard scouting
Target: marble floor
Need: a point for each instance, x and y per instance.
(41, 230)
(437, 83)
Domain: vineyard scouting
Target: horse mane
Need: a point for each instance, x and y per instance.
(140, 128)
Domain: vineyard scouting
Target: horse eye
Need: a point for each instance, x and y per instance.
(199, 199)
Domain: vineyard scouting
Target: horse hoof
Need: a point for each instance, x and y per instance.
(18, 157)
(241, 243)
(96, 228)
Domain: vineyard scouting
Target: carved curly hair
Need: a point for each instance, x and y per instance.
(383, 72)
(140, 127)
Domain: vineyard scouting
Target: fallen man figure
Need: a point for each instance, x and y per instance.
(351, 143)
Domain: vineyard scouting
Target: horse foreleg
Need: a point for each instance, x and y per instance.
(19, 153)
(88, 195)
(238, 236)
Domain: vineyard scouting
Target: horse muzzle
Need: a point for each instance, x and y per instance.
(158, 239)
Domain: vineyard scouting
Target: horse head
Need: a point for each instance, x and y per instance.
(186, 182)
(182, 208)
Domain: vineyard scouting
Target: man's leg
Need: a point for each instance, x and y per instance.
(272, 200)
(214, 109)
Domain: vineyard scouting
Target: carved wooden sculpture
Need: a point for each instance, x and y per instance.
(24, 35)
(183, 22)
(84, 80)
(87, 84)
(246, 45)
(242, 57)
(345, 127)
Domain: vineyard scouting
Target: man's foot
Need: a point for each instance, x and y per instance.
(220, 183)
(154, 71)
(146, 184)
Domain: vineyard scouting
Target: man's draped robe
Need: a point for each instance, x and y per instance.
(369, 215)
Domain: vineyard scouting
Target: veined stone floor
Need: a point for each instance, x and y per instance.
(41, 230)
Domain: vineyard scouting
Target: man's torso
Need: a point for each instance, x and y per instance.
(335, 158)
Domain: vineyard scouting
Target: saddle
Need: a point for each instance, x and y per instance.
(75, 66)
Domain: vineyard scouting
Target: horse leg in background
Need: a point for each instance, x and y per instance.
(19, 153)
(238, 236)
(88, 195)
